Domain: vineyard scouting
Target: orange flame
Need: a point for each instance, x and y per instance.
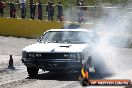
(84, 73)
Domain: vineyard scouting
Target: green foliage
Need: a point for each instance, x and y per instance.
(67, 3)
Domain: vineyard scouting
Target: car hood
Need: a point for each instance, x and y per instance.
(55, 47)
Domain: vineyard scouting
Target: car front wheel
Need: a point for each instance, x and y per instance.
(32, 72)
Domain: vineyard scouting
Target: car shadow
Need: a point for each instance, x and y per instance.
(58, 76)
(67, 76)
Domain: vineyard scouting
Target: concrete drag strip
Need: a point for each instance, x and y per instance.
(13, 75)
(123, 75)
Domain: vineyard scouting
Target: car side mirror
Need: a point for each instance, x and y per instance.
(39, 39)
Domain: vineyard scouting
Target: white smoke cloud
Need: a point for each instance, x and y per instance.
(115, 36)
(114, 28)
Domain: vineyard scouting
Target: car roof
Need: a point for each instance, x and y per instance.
(85, 30)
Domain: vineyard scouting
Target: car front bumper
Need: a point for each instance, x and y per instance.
(53, 64)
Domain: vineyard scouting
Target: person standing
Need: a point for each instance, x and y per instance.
(23, 8)
(81, 11)
(60, 12)
(50, 10)
(32, 9)
(12, 9)
(39, 10)
(2, 6)
(47, 8)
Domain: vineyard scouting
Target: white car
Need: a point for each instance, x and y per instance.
(58, 50)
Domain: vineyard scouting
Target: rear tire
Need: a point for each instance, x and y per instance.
(84, 82)
(89, 61)
(32, 72)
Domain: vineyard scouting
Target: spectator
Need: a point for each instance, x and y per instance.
(47, 5)
(39, 10)
(23, 8)
(81, 11)
(2, 6)
(32, 9)
(60, 12)
(12, 9)
(77, 3)
(50, 10)
(80, 3)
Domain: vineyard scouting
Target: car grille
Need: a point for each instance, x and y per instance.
(48, 55)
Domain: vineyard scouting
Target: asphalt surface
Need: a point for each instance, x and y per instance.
(18, 78)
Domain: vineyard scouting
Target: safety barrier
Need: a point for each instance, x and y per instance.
(25, 27)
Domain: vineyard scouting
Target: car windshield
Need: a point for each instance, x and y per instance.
(73, 37)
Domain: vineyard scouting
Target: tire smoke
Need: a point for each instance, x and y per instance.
(114, 39)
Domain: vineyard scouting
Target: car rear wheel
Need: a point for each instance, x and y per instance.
(89, 61)
(32, 72)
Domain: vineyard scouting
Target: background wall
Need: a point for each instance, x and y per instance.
(26, 28)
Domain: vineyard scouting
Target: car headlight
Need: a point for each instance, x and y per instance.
(24, 54)
(71, 55)
(38, 55)
(31, 55)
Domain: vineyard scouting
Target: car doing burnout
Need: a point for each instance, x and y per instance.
(58, 50)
